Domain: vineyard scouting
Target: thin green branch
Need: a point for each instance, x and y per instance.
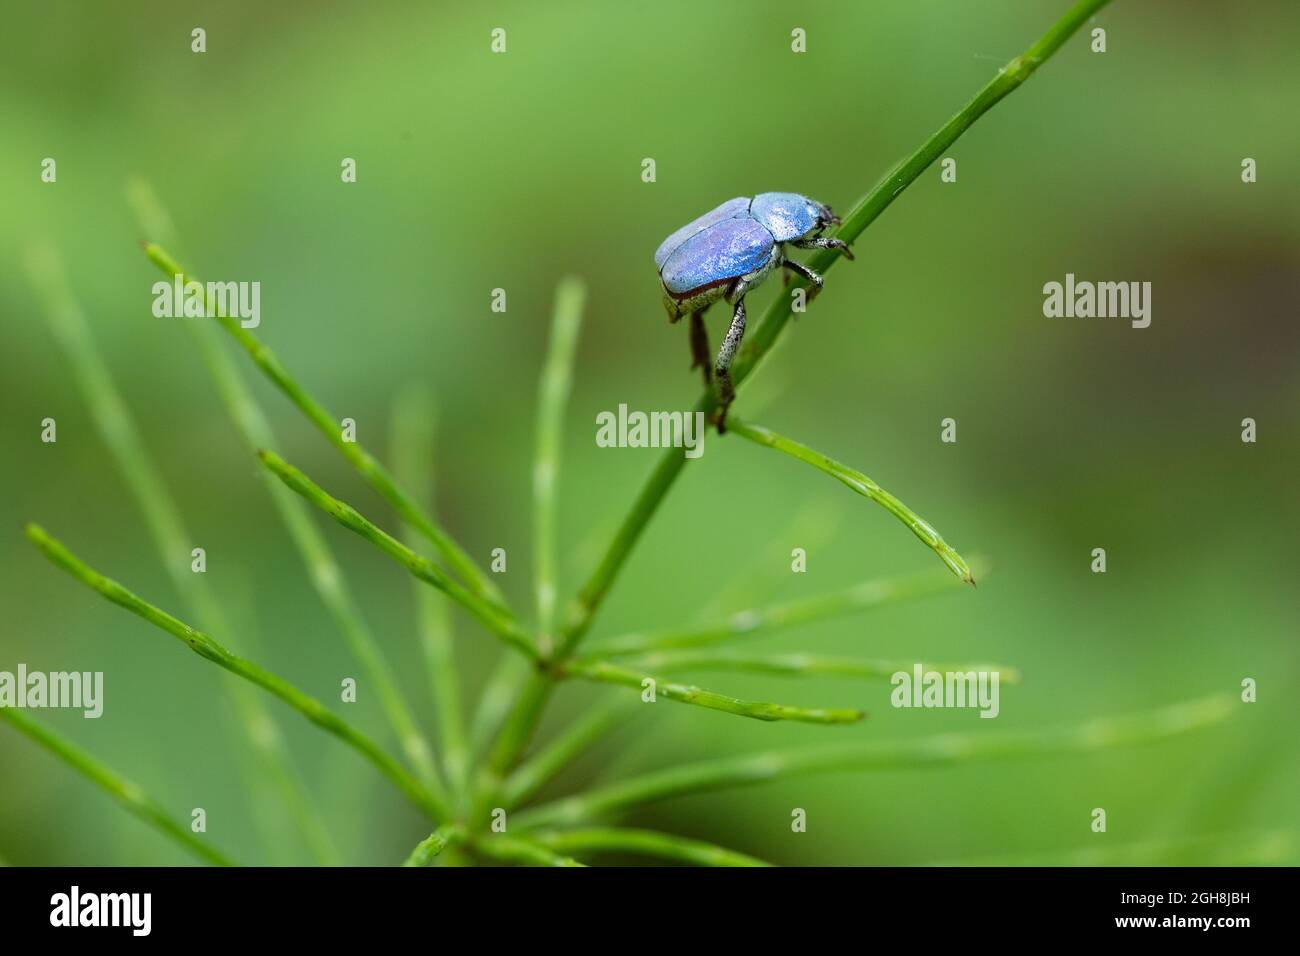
(412, 431)
(326, 576)
(813, 524)
(208, 648)
(802, 665)
(666, 846)
(520, 850)
(492, 617)
(860, 597)
(122, 790)
(427, 850)
(608, 673)
(366, 464)
(519, 725)
(528, 694)
(553, 394)
(863, 486)
(512, 739)
(942, 750)
(496, 699)
(583, 610)
(547, 763)
(120, 434)
(760, 340)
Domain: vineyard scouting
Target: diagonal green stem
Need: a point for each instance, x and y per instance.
(118, 429)
(801, 665)
(121, 789)
(529, 693)
(814, 525)
(496, 699)
(608, 673)
(520, 850)
(553, 394)
(326, 575)
(412, 439)
(206, 647)
(543, 767)
(868, 594)
(863, 486)
(519, 725)
(916, 754)
(366, 464)
(427, 850)
(492, 617)
(666, 846)
(760, 341)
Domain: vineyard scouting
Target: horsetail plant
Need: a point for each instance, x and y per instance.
(487, 767)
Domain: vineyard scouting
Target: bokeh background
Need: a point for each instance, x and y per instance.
(479, 171)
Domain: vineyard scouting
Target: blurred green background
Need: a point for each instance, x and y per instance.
(478, 171)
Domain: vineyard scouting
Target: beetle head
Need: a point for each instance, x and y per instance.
(825, 215)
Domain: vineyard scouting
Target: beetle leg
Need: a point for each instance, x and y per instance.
(820, 243)
(807, 273)
(700, 347)
(730, 345)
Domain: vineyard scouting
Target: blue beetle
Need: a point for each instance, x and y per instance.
(726, 253)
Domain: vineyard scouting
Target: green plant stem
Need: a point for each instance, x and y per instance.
(868, 594)
(646, 843)
(546, 764)
(553, 395)
(496, 699)
(496, 620)
(813, 525)
(925, 752)
(863, 486)
(801, 665)
(609, 673)
(366, 464)
(427, 850)
(583, 610)
(206, 647)
(518, 728)
(412, 433)
(521, 850)
(759, 343)
(122, 790)
(760, 340)
(326, 576)
(529, 693)
(511, 741)
(120, 434)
